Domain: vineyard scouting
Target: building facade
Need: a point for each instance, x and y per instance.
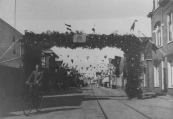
(146, 62)
(10, 45)
(11, 74)
(162, 36)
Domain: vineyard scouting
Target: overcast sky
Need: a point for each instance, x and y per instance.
(107, 15)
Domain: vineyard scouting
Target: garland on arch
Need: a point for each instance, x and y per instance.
(129, 44)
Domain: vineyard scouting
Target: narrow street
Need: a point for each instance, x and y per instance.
(91, 59)
(94, 103)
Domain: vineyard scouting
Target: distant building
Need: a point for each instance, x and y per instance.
(162, 35)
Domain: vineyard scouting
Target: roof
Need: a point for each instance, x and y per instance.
(1, 20)
(150, 15)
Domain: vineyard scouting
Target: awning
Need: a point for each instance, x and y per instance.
(105, 80)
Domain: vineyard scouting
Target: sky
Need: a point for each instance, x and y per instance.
(108, 16)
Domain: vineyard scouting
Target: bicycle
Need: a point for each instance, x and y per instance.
(33, 99)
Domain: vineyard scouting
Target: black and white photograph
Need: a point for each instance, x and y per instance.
(86, 59)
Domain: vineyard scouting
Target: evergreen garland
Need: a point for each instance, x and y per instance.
(130, 44)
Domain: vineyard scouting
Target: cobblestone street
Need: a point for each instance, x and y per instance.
(93, 103)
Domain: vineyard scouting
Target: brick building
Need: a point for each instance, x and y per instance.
(162, 35)
(11, 75)
(146, 59)
(10, 48)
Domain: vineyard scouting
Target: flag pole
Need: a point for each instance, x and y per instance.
(14, 52)
(15, 15)
(153, 43)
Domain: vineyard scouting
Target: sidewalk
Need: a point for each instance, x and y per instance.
(120, 91)
(160, 107)
(14, 103)
(166, 97)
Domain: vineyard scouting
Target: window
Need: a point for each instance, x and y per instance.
(158, 35)
(144, 77)
(170, 74)
(142, 57)
(162, 65)
(169, 27)
(156, 76)
(144, 80)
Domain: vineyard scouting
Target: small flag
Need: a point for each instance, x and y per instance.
(133, 25)
(93, 29)
(105, 56)
(154, 47)
(66, 66)
(76, 66)
(67, 25)
(144, 44)
(69, 29)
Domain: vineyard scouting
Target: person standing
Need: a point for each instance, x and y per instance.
(36, 77)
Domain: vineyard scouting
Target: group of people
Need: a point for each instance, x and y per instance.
(47, 81)
(100, 77)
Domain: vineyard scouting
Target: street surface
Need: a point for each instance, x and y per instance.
(93, 103)
(76, 103)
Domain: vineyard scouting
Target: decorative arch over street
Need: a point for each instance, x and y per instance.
(129, 44)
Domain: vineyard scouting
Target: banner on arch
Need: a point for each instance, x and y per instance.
(79, 39)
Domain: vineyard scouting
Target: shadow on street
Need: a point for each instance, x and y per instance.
(72, 97)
